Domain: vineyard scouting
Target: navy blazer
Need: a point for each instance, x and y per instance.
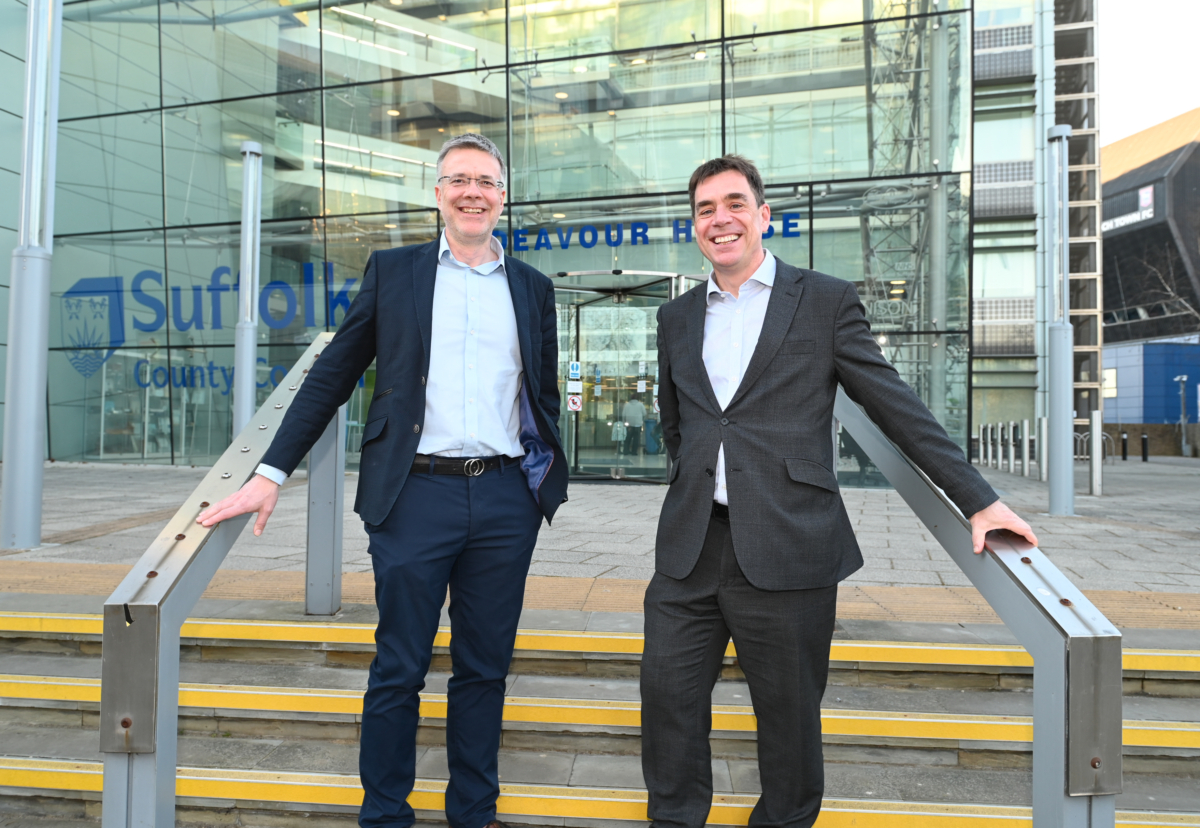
(391, 320)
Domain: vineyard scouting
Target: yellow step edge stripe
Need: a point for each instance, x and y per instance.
(541, 800)
(316, 632)
(605, 712)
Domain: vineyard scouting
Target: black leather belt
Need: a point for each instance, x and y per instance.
(720, 511)
(469, 466)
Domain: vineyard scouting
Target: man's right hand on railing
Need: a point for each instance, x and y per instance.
(258, 495)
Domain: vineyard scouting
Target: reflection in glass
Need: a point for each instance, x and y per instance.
(237, 48)
(204, 159)
(109, 59)
(109, 174)
(1081, 149)
(748, 17)
(615, 125)
(545, 31)
(380, 40)
(1084, 293)
(202, 269)
(800, 105)
(1087, 329)
(381, 141)
(882, 236)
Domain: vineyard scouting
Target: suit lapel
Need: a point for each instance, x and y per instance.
(781, 310)
(518, 287)
(424, 274)
(695, 335)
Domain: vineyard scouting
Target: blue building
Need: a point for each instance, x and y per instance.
(1140, 384)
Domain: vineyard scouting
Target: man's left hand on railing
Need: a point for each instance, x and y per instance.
(998, 516)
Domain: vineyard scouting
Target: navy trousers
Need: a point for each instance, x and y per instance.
(476, 536)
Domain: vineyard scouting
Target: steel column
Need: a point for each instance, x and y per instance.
(1025, 448)
(939, 150)
(1061, 368)
(326, 505)
(245, 343)
(1012, 447)
(1043, 449)
(1096, 452)
(29, 291)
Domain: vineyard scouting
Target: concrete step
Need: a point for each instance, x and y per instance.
(608, 653)
(281, 781)
(943, 727)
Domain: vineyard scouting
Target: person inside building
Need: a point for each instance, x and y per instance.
(753, 536)
(461, 460)
(633, 414)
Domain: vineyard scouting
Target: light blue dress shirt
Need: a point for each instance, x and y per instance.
(731, 329)
(472, 399)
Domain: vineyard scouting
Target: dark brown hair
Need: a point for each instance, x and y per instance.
(725, 163)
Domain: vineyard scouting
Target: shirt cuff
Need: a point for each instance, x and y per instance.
(273, 474)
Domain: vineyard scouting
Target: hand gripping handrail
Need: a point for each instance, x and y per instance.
(139, 690)
(1076, 650)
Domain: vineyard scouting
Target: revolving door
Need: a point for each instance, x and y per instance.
(608, 371)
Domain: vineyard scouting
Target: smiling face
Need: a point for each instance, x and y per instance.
(470, 213)
(729, 226)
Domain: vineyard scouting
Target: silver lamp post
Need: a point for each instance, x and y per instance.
(245, 343)
(1183, 435)
(1060, 336)
(29, 299)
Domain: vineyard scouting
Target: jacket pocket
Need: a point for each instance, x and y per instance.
(372, 430)
(812, 473)
(798, 346)
(671, 475)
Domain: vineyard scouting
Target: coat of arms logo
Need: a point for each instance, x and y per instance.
(93, 322)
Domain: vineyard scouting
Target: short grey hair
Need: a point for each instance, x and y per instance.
(472, 140)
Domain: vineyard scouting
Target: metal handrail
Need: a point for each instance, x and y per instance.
(1077, 691)
(139, 689)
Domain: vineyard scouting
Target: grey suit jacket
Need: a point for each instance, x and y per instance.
(790, 527)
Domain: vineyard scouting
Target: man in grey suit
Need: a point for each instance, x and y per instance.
(753, 537)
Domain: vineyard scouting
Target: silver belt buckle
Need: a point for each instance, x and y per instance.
(473, 467)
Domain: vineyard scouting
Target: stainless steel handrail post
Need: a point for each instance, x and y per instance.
(1096, 452)
(139, 687)
(326, 506)
(1025, 448)
(1012, 447)
(1043, 449)
(1077, 693)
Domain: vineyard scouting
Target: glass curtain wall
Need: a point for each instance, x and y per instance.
(857, 113)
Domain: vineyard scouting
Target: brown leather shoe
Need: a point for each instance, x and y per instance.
(495, 823)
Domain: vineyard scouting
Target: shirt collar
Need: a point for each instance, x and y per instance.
(447, 258)
(765, 275)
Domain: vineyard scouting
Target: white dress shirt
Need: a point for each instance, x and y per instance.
(731, 328)
(472, 405)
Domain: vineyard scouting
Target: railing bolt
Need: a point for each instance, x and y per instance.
(291, 388)
(279, 405)
(245, 448)
(1096, 763)
(127, 723)
(1066, 602)
(151, 574)
(1027, 560)
(262, 427)
(226, 475)
(305, 371)
(181, 536)
(203, 504)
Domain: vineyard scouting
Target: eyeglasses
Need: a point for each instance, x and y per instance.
(460, 182)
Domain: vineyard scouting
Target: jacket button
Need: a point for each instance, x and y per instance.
(422, 380)
(709, 472)
(724, 421)
(416, 429)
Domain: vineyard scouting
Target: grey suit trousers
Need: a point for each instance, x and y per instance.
(782, 640)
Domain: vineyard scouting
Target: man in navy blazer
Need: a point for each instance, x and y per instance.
(461, 460)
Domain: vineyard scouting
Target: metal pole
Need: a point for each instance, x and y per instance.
(1012, 447)
(1060, 368)
(245, 347)
(326, 504)
(1043, 449)
(1096, 460)
(1184, 448)
(1124, 446)
(939, 150)
(1025, 448)
(979, 452)
(1145, 448)
(29, 293)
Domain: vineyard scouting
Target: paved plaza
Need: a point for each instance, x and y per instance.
(1143, 534)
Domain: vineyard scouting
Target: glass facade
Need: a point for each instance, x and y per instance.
(860, 125)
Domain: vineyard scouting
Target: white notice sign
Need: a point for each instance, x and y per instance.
(574, 386)
(641, 386)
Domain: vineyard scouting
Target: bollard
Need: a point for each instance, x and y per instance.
(987, 442)
(982, 437)
(1124, 445)
(1145, 448)
(1096, 454)
(1025, 448)
(1043, 449)
(1012, 447)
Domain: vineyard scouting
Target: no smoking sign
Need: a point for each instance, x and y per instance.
(574, 402)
